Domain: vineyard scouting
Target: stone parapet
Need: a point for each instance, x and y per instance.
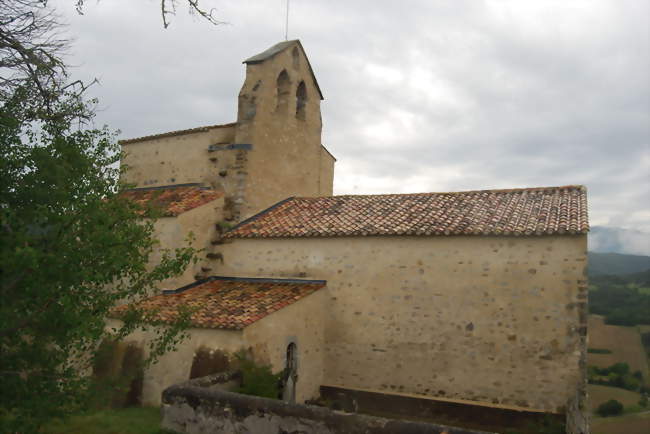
(191, 409)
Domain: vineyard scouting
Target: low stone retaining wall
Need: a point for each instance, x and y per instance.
(190, 408)
(469, 415)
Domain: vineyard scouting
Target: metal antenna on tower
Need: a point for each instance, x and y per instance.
(286, 24)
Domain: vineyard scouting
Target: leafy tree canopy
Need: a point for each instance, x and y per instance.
(70, 246)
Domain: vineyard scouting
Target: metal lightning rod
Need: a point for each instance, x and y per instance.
(286, 24)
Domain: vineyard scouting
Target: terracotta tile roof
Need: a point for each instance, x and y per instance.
(172, 200)
(526, 211)
(227, 302)
(174, 133)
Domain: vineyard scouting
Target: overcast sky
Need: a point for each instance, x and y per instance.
(419, 95)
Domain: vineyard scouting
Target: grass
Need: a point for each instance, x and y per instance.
(599, 394)
(627, 424)
(623, 342)
(141, 420)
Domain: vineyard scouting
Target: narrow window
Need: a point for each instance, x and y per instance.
(290, 374)
(296, 58)
(301, 100)
(283, 91)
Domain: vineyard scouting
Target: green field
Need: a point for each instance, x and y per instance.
(141, 420)
(626, 424)
(624, 342)
(599, 394)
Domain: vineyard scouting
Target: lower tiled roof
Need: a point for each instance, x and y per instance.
(172, 200)
(226, 302)
(525, 211)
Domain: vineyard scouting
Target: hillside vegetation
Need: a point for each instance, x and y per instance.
(621, 299)
(619, 340)
(616, 263)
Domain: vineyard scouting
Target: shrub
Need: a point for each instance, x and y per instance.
(643, 402)
(258, 380)
(620, 368)
(610, 408)
(599, 351)
(630, 382)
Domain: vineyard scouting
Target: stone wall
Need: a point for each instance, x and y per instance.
(175, 159)
(192, 409)
(175, 366)
(487, 319)
(173, 232)
(577, 417)
(303, 324)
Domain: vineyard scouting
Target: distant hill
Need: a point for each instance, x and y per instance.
(616, 263)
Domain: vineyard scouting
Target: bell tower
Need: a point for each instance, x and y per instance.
(279, 117)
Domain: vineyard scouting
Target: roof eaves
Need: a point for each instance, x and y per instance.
(167, 187)
(242, 279)
(175, 133)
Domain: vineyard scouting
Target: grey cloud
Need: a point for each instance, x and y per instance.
(617, 240)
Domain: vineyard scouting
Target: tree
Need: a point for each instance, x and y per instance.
(168, 9)
(31, 50)
(70, 246)
(610, 408)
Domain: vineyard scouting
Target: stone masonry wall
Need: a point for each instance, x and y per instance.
(303, 324)
(175, 366)
(176, 159)
(486, 319)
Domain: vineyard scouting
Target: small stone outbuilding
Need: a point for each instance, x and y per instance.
(265, 316)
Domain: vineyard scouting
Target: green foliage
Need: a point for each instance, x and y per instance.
(142, 420)
(599, 351)
(610, 408)
(71, 249)
(257, 380)
(645, 339)
(616, 375)
(621, 298)
(549, 425)
(643, 401)
(225, 226)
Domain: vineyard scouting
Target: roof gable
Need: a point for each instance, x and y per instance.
(172, 200)
(226, 302)
(278, 48)
(526, 211)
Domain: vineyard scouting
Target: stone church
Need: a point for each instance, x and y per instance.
(476, 298)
